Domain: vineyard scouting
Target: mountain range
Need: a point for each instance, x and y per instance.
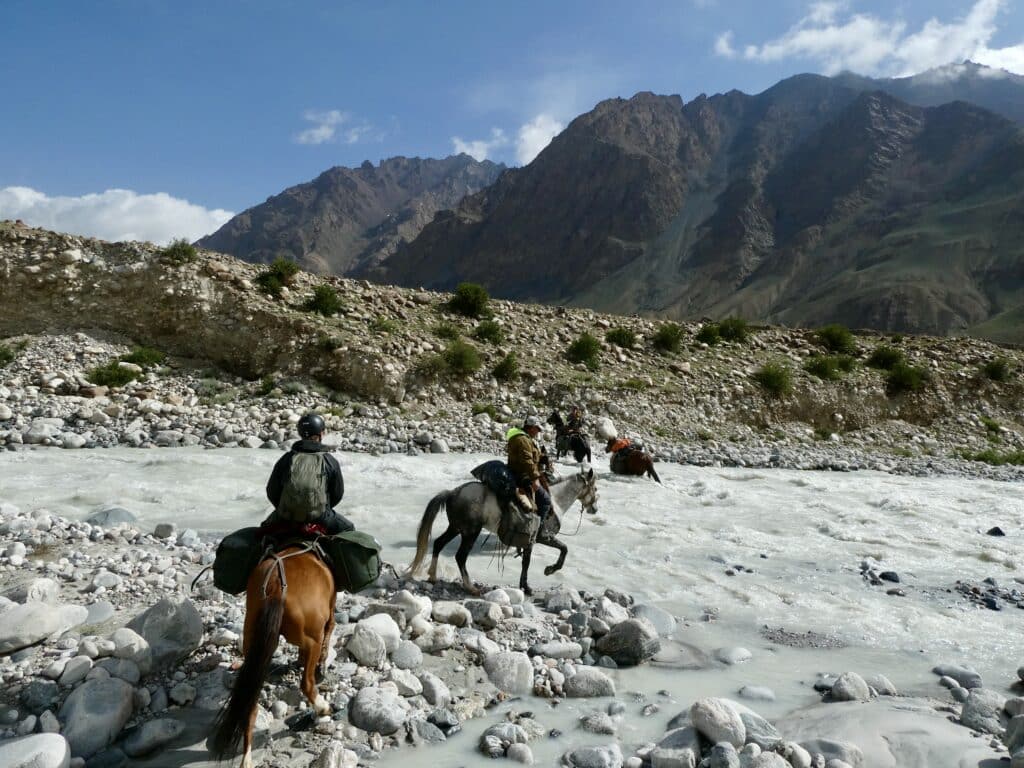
(891, 204)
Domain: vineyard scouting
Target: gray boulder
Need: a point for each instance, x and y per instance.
(589, 682)
(367, 647)
(594, 757)
(966, 676)
(94, 714)
(719, 720)
(662, 621)
(376, 710)
(25, 625)
(510, 671)
(152, 736)
(109, 516)
(850, 687)
(173, 629)
(486, 615)
(43, 750)
(679, 748)
(630, 642)
(983, 711)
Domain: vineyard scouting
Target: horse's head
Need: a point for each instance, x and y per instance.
(555, 418)
(587, 492)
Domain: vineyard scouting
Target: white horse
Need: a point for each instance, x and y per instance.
(473, 507)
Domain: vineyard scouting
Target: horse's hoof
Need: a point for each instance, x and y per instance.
(526, 590)
(475, 591)
(549, 570)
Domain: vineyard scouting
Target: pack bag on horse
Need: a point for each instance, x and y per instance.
(570, 435)
(629, 459)
(473, 507)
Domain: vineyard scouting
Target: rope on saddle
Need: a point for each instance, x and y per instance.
(269, 553)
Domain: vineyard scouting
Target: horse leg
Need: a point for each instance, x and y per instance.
(523, 585)
(440, 543)
(309, 653)
(562, 552)
(465, 545)
(247, 741)
(325, 647)
(652, 473)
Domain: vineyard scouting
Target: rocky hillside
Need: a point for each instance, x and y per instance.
(242, 365)
(814, 201)
(352, 217)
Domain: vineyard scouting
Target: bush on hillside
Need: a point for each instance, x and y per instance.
(470, 300)
(668, 339)
(837, 339)
(709, 334)
(447, 331)
(144, 356)
(325, 301)
(775, 378)
(586, 349)
(507, 369)
(997, 369)
(180, 251)
(277, 276)
(489, 331)
(885, 357)
(461, 358)
(734, 329)
(621, 337)
(905, 378)
(7, 355)
(111, 375)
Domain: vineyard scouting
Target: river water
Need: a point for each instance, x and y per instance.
(803, 534)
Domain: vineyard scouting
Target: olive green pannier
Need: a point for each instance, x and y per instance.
(353, 557)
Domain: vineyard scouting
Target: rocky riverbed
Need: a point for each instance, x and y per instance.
(107, 658)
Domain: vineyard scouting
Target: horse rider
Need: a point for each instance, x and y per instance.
(524, 458)
(574, 426)
(306, 484)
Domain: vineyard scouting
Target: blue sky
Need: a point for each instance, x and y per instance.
(144, 118)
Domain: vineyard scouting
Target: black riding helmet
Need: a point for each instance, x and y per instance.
(311, 424)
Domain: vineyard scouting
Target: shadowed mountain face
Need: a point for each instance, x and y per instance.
(815, 201)
(351, 217)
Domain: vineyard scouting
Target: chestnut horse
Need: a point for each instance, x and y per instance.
(290, 593)
(633, 461)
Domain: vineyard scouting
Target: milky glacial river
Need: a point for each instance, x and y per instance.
(804, 535)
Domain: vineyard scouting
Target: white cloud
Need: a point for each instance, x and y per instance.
(723, 46)
(870, 45)
(332, 125)
(534, 136)
(117, 214)
(481, 149)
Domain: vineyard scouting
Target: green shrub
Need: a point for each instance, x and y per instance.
(111, 375)
(325, 301)
(490, 332)
(997, 369)
(885, 357)
(829, 367)
(709, 334)
(507, 369)
(905, 378)
(621, 337)
(774, 378)
(277, 276)
(837, 339)
(144, 356)
(7, 355)
(734, 329)
(586, 349)
(487, 408)
(668, 338)
(992, 456)
(180, 251)
(430, 367)
(635, 384)
(461, 358)
(384, 325)
(267, 384)
(470, 300)
(447, 331)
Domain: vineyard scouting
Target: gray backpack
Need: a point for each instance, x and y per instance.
(304, 496)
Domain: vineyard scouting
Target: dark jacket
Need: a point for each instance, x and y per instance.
(523, 455)
(283, 469)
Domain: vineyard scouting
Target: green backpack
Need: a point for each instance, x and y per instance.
(304, 496)
(354, 559)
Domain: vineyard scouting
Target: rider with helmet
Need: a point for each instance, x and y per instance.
(306, 483)
(524, 459)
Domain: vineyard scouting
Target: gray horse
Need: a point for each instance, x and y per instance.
(472, 507)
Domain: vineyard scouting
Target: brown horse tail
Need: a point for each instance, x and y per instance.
(651, 472)
(233, 720)
(423, 535)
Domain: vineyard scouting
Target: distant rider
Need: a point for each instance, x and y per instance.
(574, 426)
(524, 459)
(306, 484)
